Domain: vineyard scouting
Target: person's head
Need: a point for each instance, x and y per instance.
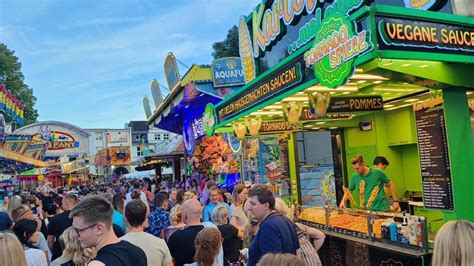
(14, 203)
(161, 200)
(192, 211)
(135, 194)
(220, 215)
(117, 203)
(173, 194)
(50, 209)
(176, 215)
(69, 201)
(12, 252)
(135, 213)
(358, 164)
(189, 195)
(123, 191)
(270, 187)
(239, 194)
(214, 194)
(261, 201)
(72, 248)
(180, 196)
(279, 259)
(194, 183)
(380, 162)
(210, 184)
(22, 212)
(136, 185)
(454, 244)
(208, 243)
(92, 220)
(26, 232)
(281, 207)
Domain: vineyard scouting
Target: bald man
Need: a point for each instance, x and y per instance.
(181, 242)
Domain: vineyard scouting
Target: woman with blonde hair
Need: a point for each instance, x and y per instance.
(11, 251)
(176, 221)
(73, 253)
(14, 203)
(278, 259)
(208, 244)
(454, 244)
(238, 218)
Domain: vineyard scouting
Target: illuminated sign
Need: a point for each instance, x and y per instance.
(227, 72)
(424, 5)
(171, 71)
(58, 140)
(267, 25)
(274, 84)
(405, 34)
(335, 48)
(209, 120)
(356, 104)
(276, 126)
(308, 115)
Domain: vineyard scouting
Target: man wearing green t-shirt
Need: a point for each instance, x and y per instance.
(370, 182)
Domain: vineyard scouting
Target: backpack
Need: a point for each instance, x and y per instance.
(307, 250)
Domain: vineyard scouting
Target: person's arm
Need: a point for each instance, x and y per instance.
(393, 190)
(96, 263)
(343, 201)
(316, 235)
(50, 242)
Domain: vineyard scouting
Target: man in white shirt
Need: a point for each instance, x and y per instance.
(136, 186)
(155, 248)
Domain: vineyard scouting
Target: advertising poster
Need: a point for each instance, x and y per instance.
(317, 186)
(270, 156)
(251, 171)
(119, 155)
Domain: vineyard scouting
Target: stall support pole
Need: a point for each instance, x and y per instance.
(461, 152)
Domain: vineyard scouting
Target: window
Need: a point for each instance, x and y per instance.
(139, 151)
(157, 136)
(166, 136)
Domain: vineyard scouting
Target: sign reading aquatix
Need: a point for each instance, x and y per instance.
(260, 91)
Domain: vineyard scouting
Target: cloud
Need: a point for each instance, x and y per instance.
(102, 21)
(98, 67)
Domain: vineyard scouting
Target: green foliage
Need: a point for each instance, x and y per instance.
(229, 47)
(12, 77)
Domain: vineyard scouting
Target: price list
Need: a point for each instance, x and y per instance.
(434, 157)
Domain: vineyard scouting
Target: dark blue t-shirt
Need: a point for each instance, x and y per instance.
(5, 221)
(277, 234)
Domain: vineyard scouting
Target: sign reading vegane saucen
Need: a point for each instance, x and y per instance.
(398, 34)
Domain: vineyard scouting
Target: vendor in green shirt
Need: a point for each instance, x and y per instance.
(370, 183)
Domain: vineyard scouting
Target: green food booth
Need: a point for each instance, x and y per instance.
(341, 78)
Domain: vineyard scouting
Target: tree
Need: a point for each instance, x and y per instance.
(229, 47)
(12, 77)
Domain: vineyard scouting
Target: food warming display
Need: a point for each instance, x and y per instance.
(406, 231)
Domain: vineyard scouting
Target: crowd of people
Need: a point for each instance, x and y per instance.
(140, 222)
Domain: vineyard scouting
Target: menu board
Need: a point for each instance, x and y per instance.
(434, 157)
